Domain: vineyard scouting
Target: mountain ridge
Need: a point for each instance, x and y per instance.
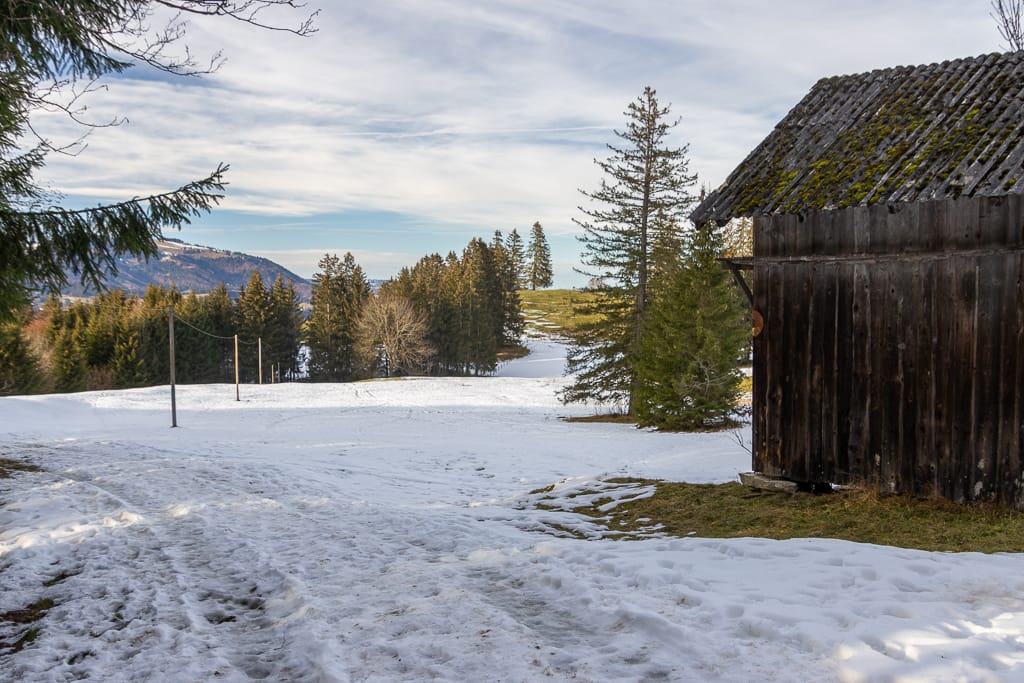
(192, 267)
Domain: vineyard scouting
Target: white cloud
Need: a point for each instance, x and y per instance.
(489, 114)
(377, 264)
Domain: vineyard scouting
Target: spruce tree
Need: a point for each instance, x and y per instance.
(517, 258)
(645, 190)
(480, 296)
(128, 365)
(512, 323)
(153, 332)
(53, 52)
(281, 349)
(218, 311)
(20, 369)
(694, 332)
(340, 289)
(538, 259)
(252, 325)
(70, 368)
(194, 352)
(101, 329)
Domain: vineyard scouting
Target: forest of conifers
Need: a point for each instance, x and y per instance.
(444, 315)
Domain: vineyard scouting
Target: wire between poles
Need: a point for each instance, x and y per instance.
(210, 334)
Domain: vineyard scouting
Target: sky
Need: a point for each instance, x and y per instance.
(403, 128)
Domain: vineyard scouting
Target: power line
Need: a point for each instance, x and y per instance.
(210, 334)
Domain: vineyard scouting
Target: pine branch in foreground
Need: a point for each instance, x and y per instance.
(42, 246)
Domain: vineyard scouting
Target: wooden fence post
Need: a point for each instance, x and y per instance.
(170, 337)
(236, 369)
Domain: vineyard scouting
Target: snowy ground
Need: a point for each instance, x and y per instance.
(383, 531)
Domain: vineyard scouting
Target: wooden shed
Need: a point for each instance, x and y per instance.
(888, 269)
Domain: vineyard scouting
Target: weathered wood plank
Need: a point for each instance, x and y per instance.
(881, 367)
(1013, 465)
(860, 376)
(989, 407)
(844, 346)
(823, 374)
(918, 373)
(903, 367)
(809, 374)
(792, 381)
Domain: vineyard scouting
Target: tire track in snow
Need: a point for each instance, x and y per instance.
(220, 602)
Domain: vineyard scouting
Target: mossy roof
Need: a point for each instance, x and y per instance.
(904, 134)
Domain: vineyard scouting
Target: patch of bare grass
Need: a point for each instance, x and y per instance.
(8, 467)
(511, 352)
(555, 311)
(22, 617)
(734, 511)
(610, 418)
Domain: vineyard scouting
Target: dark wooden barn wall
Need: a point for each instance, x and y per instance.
(893, 348)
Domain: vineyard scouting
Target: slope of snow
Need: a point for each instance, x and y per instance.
(384, 531)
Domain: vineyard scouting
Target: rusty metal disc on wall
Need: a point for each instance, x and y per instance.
(757, 321)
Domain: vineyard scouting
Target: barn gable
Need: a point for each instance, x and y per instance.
(905, 134)
(888, 271)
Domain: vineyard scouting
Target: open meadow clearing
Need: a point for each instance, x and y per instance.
(387, 531)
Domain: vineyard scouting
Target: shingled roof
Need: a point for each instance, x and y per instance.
(904, 134)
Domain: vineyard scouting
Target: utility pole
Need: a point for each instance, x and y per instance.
(170, 336)
(259, 353)
(236, 369)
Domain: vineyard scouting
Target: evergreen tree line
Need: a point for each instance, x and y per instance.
(119, 341)
(471, 305)
(443, 316)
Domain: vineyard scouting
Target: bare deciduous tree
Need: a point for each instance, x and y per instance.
(1008, 15)
(392, 335)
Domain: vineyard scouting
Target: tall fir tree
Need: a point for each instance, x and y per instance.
(696, 328)
(20, 369)
(667, 249)
(340, 289)
(512, 322)
(538, 259)
(645, 189)
(127, 363)
(218, 314)
(203, 344)
(252, 324)
(480, 296)
(70, 367)
(517, 258)
(194, 351)
(152, 328)
(281, 349)
(100, 334)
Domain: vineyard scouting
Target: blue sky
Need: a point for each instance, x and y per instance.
(405, 127)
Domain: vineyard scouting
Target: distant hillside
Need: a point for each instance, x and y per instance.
(192, 267)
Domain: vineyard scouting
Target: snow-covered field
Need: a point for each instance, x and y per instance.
(383, 531)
